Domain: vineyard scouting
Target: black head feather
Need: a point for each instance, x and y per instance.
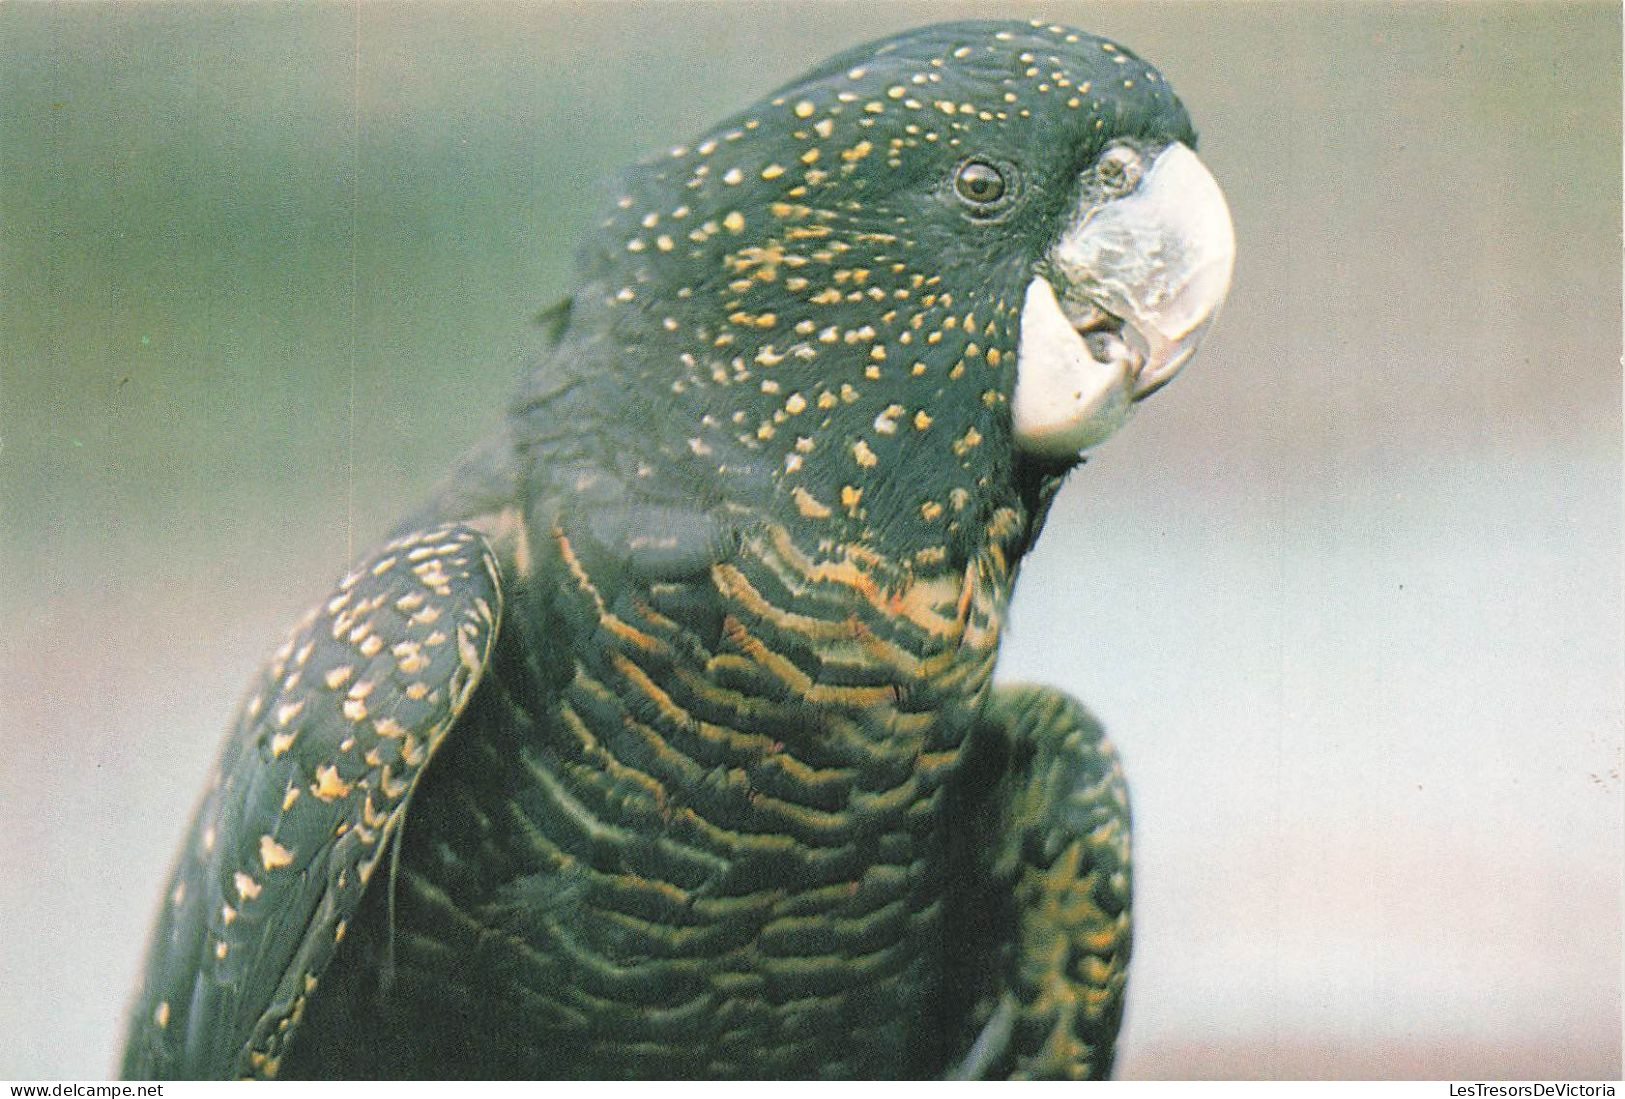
(812, 310)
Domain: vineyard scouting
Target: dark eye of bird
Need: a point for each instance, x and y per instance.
(1119, 169)
(979, 184)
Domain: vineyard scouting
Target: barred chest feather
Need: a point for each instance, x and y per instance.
(712, 844)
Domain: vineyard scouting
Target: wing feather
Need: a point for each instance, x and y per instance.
(314, 783)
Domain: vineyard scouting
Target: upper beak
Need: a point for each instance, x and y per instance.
(1158, 259)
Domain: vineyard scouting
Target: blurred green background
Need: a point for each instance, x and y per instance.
(1349, 593)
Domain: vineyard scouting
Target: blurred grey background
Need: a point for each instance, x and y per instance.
(1348, 594)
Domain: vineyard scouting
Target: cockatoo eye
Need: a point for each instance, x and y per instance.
(980, 185)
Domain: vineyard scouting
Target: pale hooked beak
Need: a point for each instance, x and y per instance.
(1133, 285)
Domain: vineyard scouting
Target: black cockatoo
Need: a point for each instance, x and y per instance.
(662, 741)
